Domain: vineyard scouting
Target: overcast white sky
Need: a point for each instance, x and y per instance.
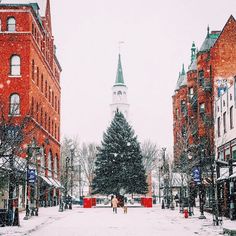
(158, 37)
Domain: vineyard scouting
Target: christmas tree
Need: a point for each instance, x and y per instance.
(119, 166)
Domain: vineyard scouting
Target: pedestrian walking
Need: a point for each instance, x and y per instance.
(114, 204)
(176, 200)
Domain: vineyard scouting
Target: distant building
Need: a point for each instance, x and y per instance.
(119, 93)
(30, 86)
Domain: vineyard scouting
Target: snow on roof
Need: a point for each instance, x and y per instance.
(41, 3)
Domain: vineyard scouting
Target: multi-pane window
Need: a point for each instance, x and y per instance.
(14, 104)
(15, 65)
(218, 126)
(224, 121)
(11, 24)
(231, 118)
(190, 92)
(202, 108)
(201, 78)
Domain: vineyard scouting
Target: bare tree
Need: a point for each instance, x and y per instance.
(87, 158)
(151, 154)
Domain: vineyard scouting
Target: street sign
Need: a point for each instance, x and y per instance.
(31, 176)
(196, 175)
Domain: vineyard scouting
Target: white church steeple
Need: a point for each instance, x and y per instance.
(119, 93)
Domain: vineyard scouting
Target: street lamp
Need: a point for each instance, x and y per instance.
(201, 193)
(31, 151)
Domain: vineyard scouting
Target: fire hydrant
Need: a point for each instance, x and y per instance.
(185, 212)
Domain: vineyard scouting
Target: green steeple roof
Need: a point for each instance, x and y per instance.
(119, 74)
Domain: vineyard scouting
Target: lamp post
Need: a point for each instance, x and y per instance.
(31, 151)
(201, 192)
(66, 182)
(38, 158)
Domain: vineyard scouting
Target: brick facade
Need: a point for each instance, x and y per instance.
(37, 83)
(215, 60)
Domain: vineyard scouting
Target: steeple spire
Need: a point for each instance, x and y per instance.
(183, 70)
(119, 74)
(208, 31)
(193, 52)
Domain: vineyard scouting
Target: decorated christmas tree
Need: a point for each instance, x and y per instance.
(119, 168)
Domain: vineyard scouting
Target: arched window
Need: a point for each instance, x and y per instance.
(14, 104)
(11, 24)
(49, 164)
(56, 163)
(15, 65)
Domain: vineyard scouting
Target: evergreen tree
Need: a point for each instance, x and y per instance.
(119, 161)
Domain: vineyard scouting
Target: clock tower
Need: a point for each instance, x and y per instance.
(119, 93)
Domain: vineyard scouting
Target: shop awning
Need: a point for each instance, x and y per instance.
(55, 183)
(46, 180)
(234, 173)
(224, 174)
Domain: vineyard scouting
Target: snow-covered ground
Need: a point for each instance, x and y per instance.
(101, 221)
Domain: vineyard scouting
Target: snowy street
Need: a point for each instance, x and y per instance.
(101, 221)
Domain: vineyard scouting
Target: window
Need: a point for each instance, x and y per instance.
(218, 126)
(0, 25)
(224, 121)
(201, 77)
(45, 120)
(14, 104)
(37, 79)
(41, 117)
(11, 24)
(46, 89)
(42, 83)
(202, 108)
(15, 65)
(49, 94)
(234, 153)
(183, 106)
(231, 118)
(223, 103)
(190, 92)
(230, 97)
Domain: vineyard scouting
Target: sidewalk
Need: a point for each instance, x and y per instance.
(46, 216)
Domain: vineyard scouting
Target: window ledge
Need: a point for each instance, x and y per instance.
(14, 76)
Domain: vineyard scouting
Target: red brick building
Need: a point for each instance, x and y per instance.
(30, 85)
(211, 72)
(193, 101)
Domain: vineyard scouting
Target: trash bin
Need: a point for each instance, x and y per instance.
(3, 217)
